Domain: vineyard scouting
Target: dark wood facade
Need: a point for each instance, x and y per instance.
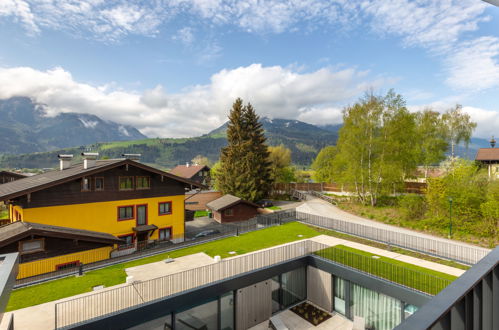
(72, 193)
(6, 176)
(53, 246)
(237, 212)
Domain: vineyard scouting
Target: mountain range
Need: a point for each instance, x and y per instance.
(25, 128)
(33, 140)
(304, 140)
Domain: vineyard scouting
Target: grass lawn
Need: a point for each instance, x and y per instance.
(115, 274)
(274, 208)
(391, 248)
(420, 278)
(198, 214)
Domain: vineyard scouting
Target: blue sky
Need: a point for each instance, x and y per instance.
(173, 68)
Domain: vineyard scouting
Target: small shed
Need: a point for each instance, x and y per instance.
(489, 157)
(229, 208)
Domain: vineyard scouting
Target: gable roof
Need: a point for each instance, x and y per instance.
(227, 201)
(15, 231)
(188, 171)
(53, 178)
(14, 174)
(487, 154)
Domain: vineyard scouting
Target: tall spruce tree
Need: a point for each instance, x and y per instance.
(244, 165)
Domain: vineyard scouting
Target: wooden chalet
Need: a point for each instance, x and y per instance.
(489, 158)
(194, 172)
(122, 200)
(229, 208)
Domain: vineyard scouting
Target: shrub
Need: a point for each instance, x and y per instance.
(413, 206)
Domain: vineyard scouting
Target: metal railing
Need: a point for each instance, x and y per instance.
(410, 278)
(72, 312)
(326, 198)
(433, 246)
(470, 302)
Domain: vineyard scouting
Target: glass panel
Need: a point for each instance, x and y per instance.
(294, 287)
(379, 311)
(164, 208)
(200, 317)
(31, 245)
(227, 311)
(409, 310)
(276, 305)
(339, 295)
(165, 234)
(141, 215)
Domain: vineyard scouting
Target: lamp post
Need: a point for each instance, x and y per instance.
(450, 217)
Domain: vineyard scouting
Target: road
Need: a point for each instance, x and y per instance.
(322, 208)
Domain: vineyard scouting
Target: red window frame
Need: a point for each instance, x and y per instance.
(137, 213)
(164, 228)
(125, 219)
(76, 264)
(159, 208)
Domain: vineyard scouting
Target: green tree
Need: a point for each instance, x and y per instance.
(244, 165)
(376, 148)
(431, 138)
(280, 160)
(459, 127)
(323, 165)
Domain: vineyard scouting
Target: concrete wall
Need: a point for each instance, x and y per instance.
(319, 288)
(253, 305)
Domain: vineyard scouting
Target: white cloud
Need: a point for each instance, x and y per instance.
(20, 10)
(447, 29)
(275, 92)
(474, 64)
(185, 35)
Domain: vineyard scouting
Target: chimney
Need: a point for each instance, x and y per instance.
(64, 161)
(187, 164)
(89, 159)
(135, 157)
(492, 142)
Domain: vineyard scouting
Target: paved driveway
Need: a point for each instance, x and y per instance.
(322, 208)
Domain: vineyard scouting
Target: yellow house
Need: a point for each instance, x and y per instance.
(121, 197)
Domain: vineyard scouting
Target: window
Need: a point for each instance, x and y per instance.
(126, 182)
(127, 241)
(229, 212)
(165, 234)
(85, 184)
(165, 208)
(99, 184)
(68, 265)
(32, 246)
(143, 182)
(125, 212)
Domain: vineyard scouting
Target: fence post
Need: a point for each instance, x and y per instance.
(80, 269)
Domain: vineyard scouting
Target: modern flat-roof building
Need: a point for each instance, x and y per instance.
(257, 292)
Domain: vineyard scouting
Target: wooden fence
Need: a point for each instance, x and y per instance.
(410, 187)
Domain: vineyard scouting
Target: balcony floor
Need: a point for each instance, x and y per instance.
(294, 322)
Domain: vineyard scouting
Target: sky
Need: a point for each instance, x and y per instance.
(172, 68)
